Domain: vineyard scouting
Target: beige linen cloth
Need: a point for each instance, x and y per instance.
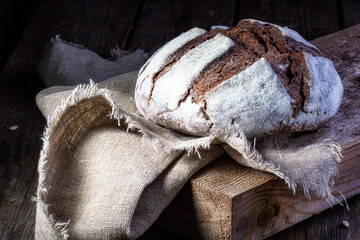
(106, 172)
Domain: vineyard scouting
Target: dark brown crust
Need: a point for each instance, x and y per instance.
(253, 41)
(178, 54)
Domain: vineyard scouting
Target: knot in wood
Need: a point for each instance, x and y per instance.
(267, 213)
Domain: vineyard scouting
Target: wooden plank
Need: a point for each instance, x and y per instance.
(162, 20)
(327, 225)
(350, 12)
(311, 18)
(96, 24)
(229, 201)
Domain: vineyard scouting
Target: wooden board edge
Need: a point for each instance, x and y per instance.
(274, 207)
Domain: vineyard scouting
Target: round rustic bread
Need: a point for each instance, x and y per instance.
(256, 77)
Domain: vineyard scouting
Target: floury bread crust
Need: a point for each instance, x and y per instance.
(256, 77)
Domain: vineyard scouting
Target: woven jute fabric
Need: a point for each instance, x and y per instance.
(106, 172)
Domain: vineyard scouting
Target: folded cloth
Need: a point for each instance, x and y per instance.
(66, 66)
(107, 172)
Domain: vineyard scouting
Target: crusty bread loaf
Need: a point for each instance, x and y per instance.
(256, 77)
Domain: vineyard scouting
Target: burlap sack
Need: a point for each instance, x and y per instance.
(106, 172)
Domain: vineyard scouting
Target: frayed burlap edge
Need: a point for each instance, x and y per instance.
(237, 141)
(115, 52)
(254, 159)
(80, 93)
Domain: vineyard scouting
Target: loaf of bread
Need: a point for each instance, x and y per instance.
(256, 77)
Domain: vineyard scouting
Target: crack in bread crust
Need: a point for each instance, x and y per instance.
(206, 115)
(253, 41)
(177, 55)
(203, 112)
(143, 68)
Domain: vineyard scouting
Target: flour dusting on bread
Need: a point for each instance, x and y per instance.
(258, 78)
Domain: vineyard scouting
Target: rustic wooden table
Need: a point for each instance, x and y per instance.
(100, 25)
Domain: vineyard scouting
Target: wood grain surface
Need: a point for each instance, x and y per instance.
(101, 25)
(160, 22)
(310, 18)
(348, 16)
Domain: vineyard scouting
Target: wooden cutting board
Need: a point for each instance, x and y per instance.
(228, 201)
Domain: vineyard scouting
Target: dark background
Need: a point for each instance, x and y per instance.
(14, 17)
(26, 26)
